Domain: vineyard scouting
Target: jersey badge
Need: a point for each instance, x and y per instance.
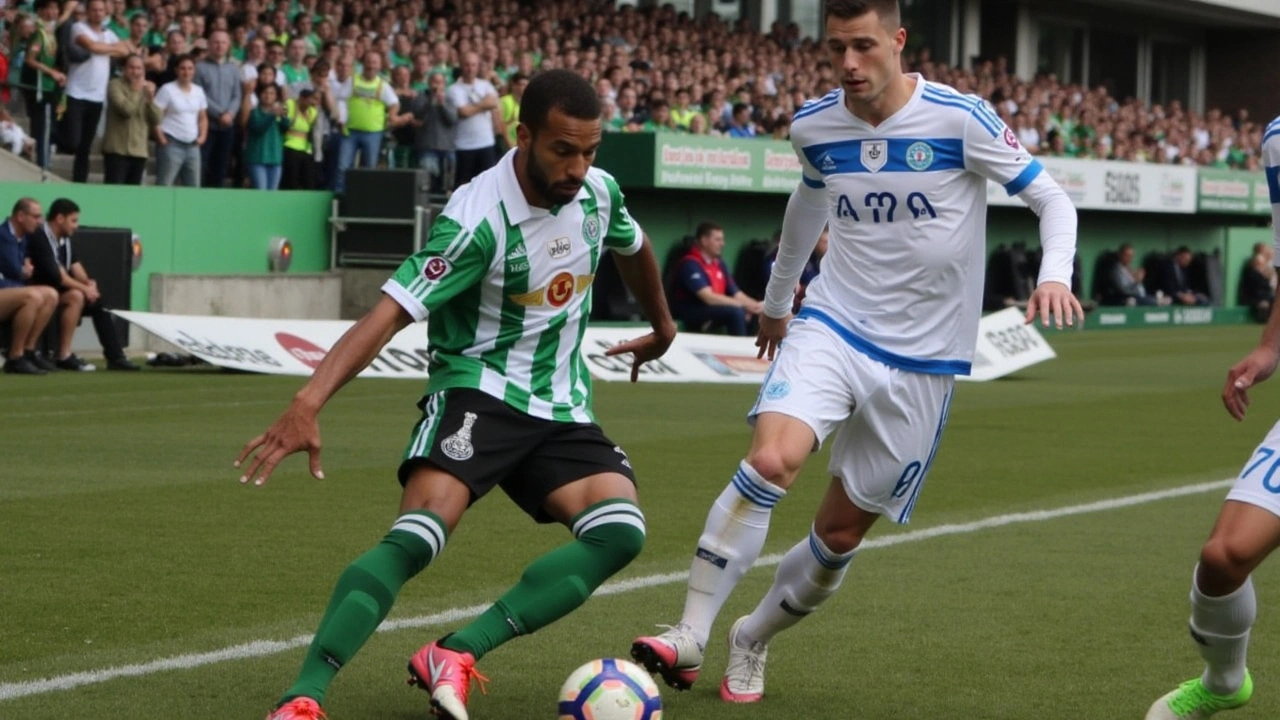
(591, 229)
(920, 156)
(458, 445)
(875, 153)
(1010, 139)
(560, 290)
(436, 268)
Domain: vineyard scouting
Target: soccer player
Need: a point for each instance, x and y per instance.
(898, 166)
(505, 280)
(1223, 605)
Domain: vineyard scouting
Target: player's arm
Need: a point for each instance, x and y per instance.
(802, 225)
(638, 266)
(454, 259)
(1260, 363)
(992, 150)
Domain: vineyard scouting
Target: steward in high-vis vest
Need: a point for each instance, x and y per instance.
(371, 104)
(299, 170)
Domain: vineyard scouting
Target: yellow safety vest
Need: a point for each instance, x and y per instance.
(365, 110)
(298, 137)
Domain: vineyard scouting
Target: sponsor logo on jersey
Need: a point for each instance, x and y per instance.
(540, 296)
(436, 268)
(458, 445)
(591, 228)
(304, 351)
(560, 290)
(1010, 139)
(559, 248)
(875, 153)
(920, 156)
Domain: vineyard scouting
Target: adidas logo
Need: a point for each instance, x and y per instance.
(517, 252)
(826, 164)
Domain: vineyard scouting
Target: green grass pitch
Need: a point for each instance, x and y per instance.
(127, 540)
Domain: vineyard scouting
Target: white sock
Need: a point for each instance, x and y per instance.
(808, 574)
(1220, 626)
(730, 544)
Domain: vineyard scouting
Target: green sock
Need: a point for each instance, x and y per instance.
(608, 535)
(363, 596)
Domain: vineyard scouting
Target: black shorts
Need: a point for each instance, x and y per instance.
(486, 443)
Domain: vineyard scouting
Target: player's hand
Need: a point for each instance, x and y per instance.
(643, 349)
(1256, 367)
(297, 429)
(772, 331)
(1054, 300)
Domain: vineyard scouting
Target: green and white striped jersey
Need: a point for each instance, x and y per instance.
(507, 288)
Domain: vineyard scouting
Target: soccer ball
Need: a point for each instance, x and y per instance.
(610, 690)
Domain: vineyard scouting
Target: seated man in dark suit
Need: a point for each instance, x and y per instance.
(1258, 283)
(55, 266)
(1176, 280)
(703, 291)
(29, 307)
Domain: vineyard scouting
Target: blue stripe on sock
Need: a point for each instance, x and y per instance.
(752, 492)
(765, 491)
(823, 558)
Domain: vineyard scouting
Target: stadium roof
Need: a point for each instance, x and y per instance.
(1257, 14)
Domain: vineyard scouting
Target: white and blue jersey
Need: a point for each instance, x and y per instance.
(903, 275)
(1271, 163)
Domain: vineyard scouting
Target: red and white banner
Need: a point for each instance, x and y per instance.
(296, 347)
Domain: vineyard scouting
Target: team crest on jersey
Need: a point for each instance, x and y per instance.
(559, 248)
(591, 228)
(1010, 139)
(919, 156)
(875, 153)
(458, 445)
(777, 390)
(436, 268)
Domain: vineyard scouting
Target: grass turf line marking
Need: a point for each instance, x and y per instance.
(263, 648)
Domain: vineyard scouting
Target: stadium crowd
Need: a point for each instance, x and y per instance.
(436, 84)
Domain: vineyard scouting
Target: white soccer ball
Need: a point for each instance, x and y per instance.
(610, 689)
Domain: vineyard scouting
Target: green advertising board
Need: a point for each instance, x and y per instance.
(1233, 191)
(1151, 317)
(692, 162)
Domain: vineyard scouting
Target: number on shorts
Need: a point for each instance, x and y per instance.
(1269, 480)
(908, 477)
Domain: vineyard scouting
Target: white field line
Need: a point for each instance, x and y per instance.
(262, 648)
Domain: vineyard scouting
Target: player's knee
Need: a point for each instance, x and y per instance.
(1225, 563)
(839, 539)
(48, 296)
(618, 538)
(73, 298)
(774, 465)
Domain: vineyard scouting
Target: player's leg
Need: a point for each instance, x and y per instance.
(22, 305)
(879, 460)
(437, 490)
(576, 477)
(809, 573)
(805, 395)
(1223, 605)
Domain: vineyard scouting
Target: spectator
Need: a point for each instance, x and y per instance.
(1176, 279)
(219, 78)
(162, 63)
(326, 119)
(509, 107)
(682, 113)
(182, 129)
(15, 138)
(434, 119)
(299, 164)
(476, 99)
(131, 113)
(371, 104)
(54, 265)
(703, 292)
(740, 126)
(87, 85)
(402, 128)
(254, 55)
(295, 68)
(27, 307)
(1258, 282)
(340, 85)
(1126, 280)
(266, 125)
(42, 80)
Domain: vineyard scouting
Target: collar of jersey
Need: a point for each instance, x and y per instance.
(518, 209)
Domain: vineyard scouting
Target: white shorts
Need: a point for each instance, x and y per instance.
(890, 421)
(1259, 479)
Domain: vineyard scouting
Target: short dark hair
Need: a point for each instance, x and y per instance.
(42, 4)
(705, 228)
(61, 208)
(562, 90)
(888, 10)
